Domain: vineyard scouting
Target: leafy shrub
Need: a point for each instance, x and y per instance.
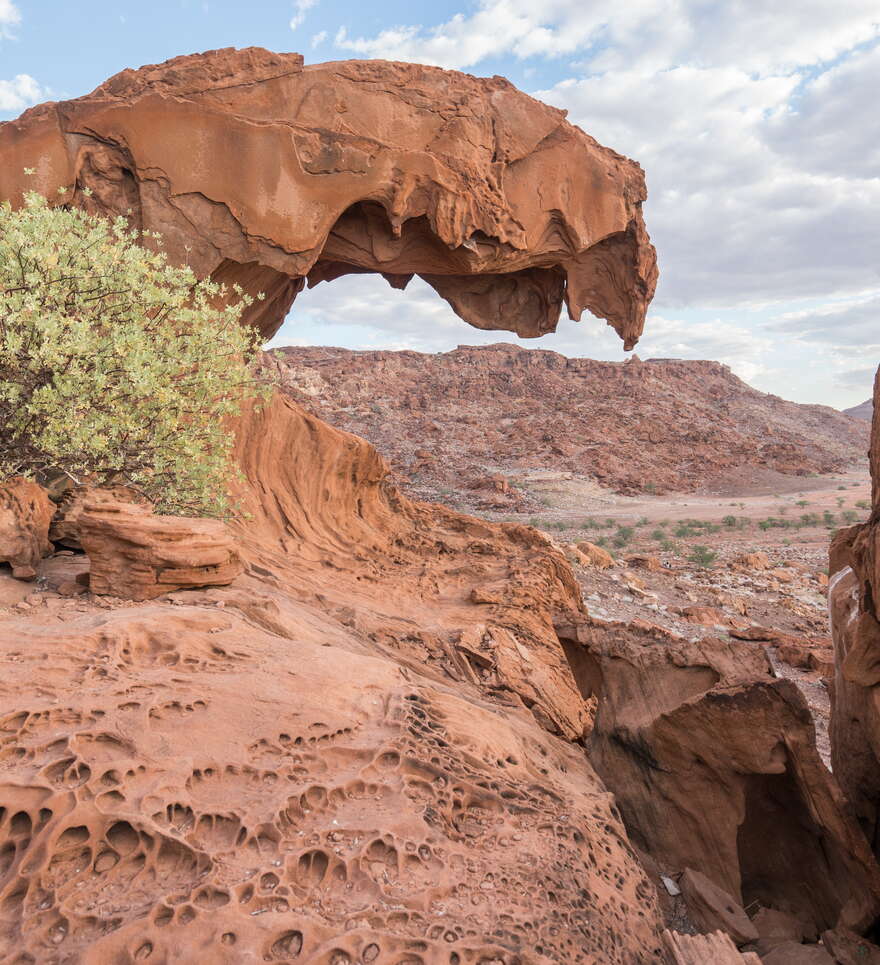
(623, 535)
(116, 366)
(702, 556)
(729, 521)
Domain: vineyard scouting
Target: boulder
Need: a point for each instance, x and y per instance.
(136, 555)
(775, 927)
(848, 948)
(64, 530)
(703, 616)
(752, 561)
(794, 953)
(25, 514)
(712, 909)
(641, 561)
(714, 949)
(593, 556)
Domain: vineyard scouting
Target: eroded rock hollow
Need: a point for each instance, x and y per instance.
(259, 170)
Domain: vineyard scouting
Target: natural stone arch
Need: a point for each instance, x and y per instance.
(259, 170)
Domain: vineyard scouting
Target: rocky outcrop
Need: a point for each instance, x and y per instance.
(25, 515)
(135, 555)
(714, 767)
(854, 584)
(634, 426)
(259, 170)
(368, 749)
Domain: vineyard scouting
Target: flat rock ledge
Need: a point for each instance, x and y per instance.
(138, 556)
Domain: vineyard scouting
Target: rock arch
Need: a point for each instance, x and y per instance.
(260, 170)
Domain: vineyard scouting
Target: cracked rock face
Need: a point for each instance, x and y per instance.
(261, 171)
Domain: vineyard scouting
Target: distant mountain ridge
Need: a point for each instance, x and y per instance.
(450, 419)
(863, 411)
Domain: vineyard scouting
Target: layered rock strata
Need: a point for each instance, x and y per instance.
(138, 556)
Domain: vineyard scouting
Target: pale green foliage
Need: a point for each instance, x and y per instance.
(114, 364)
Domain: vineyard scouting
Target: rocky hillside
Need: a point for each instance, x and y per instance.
(864, 410)
(455, 418)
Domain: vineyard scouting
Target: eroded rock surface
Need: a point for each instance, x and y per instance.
(25, 515)
(366, 749)
(264, 172)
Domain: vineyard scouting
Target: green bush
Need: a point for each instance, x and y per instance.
(116, 366)
(623, 535)
(702, 556)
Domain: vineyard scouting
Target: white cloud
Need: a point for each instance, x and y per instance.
(640, 34)
(300, 9)
(759, 134)
(20, 92)
(318, 39)
(738, 219)
(9, 17)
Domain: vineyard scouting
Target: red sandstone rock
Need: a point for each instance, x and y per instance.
(848, 948)
(135, 555)
(328, 742)
(319, 171)
(25, 514)
(591, 555)
(794, 953)
(713, 764)
(713, 909)
(704, 616)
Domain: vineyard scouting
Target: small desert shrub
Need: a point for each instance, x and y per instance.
(623, 535)
(116, 366)
(729, 521)
(863, 504)
(702, 556)
(850, 515)
(829, 519)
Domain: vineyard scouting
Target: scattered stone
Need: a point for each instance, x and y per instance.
(848, 948)
(670, 886)
(793, 953)
(712, 908)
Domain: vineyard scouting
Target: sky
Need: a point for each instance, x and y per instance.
(757, 125)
